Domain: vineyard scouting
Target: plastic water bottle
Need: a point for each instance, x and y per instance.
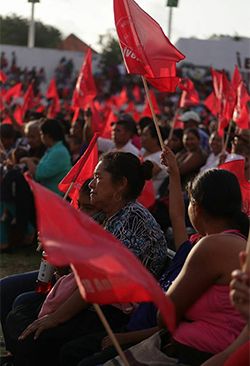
(46, 271)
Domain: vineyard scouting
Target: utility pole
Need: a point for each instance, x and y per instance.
(31, 34)
(171, 4)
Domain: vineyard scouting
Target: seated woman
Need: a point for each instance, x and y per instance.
(97, 348)
(206, 320)
(118, 180)
(56, 162)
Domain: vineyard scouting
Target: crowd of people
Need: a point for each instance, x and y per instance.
(190, 238)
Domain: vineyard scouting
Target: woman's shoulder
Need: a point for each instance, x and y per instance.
(224, 242)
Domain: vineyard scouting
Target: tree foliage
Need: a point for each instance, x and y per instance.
(110, 51)
(14, 31)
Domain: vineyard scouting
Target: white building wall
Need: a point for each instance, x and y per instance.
(45, 57)
(223, 53)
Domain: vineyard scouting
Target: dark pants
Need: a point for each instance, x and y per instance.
(45, 350)
(10, 288)
(87, 351)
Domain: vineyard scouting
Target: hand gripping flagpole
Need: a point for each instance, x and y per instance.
(111, 334)
(153, 112)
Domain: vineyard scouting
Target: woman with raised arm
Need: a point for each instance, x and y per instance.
(206, 320)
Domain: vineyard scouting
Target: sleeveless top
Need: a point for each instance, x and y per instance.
(212, 323)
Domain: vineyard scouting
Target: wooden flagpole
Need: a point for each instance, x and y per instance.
(227, 136)
(111, 334)
(153, 112)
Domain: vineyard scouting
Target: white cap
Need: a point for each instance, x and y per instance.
(190, 115)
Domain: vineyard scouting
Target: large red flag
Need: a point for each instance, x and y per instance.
(82, 170)
(237, 167)
(52, 94)
(106, 271)
(85, 90)
(145, 48)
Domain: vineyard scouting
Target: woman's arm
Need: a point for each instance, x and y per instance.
(130, 337)
(66, 311)
(210, 262)
(176, 202)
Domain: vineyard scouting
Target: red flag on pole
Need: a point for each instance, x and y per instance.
(237, 167)
(212, 103)
(189, 95)
(241, 113)
(81, 171)
(13, 92)
(145, 48)
(147, 111)
(106, 271)
(28, 99)
(85, 90)
(52, 94)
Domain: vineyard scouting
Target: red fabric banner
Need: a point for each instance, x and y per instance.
(145, 48)
(82, 170)
(85, 90)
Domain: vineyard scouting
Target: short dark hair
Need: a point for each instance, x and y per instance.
(129, 126)
(53, 128)
(121, 164)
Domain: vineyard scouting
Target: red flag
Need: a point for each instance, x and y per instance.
(28, 99)
(3, 77)
(106, 131)
(18, 115)
(121, 99)
(212, 103)
(52, 94)
(85, 90)
(106, 271)
(217, 83)
(76, 114)
(13, 92)
(137, 93)
(81, 171)
(237, 167)
(145, 48)
(189, 95)
(236, 79)
(147, 197)
(147, 111)
(241, 112)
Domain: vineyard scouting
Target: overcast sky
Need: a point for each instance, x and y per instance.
(87, 19)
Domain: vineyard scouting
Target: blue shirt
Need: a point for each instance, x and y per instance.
(138, 230)
(53, 167)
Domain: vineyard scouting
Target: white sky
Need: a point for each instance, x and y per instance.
(89, 18)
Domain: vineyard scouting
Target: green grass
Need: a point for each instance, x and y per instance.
(19, 260)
